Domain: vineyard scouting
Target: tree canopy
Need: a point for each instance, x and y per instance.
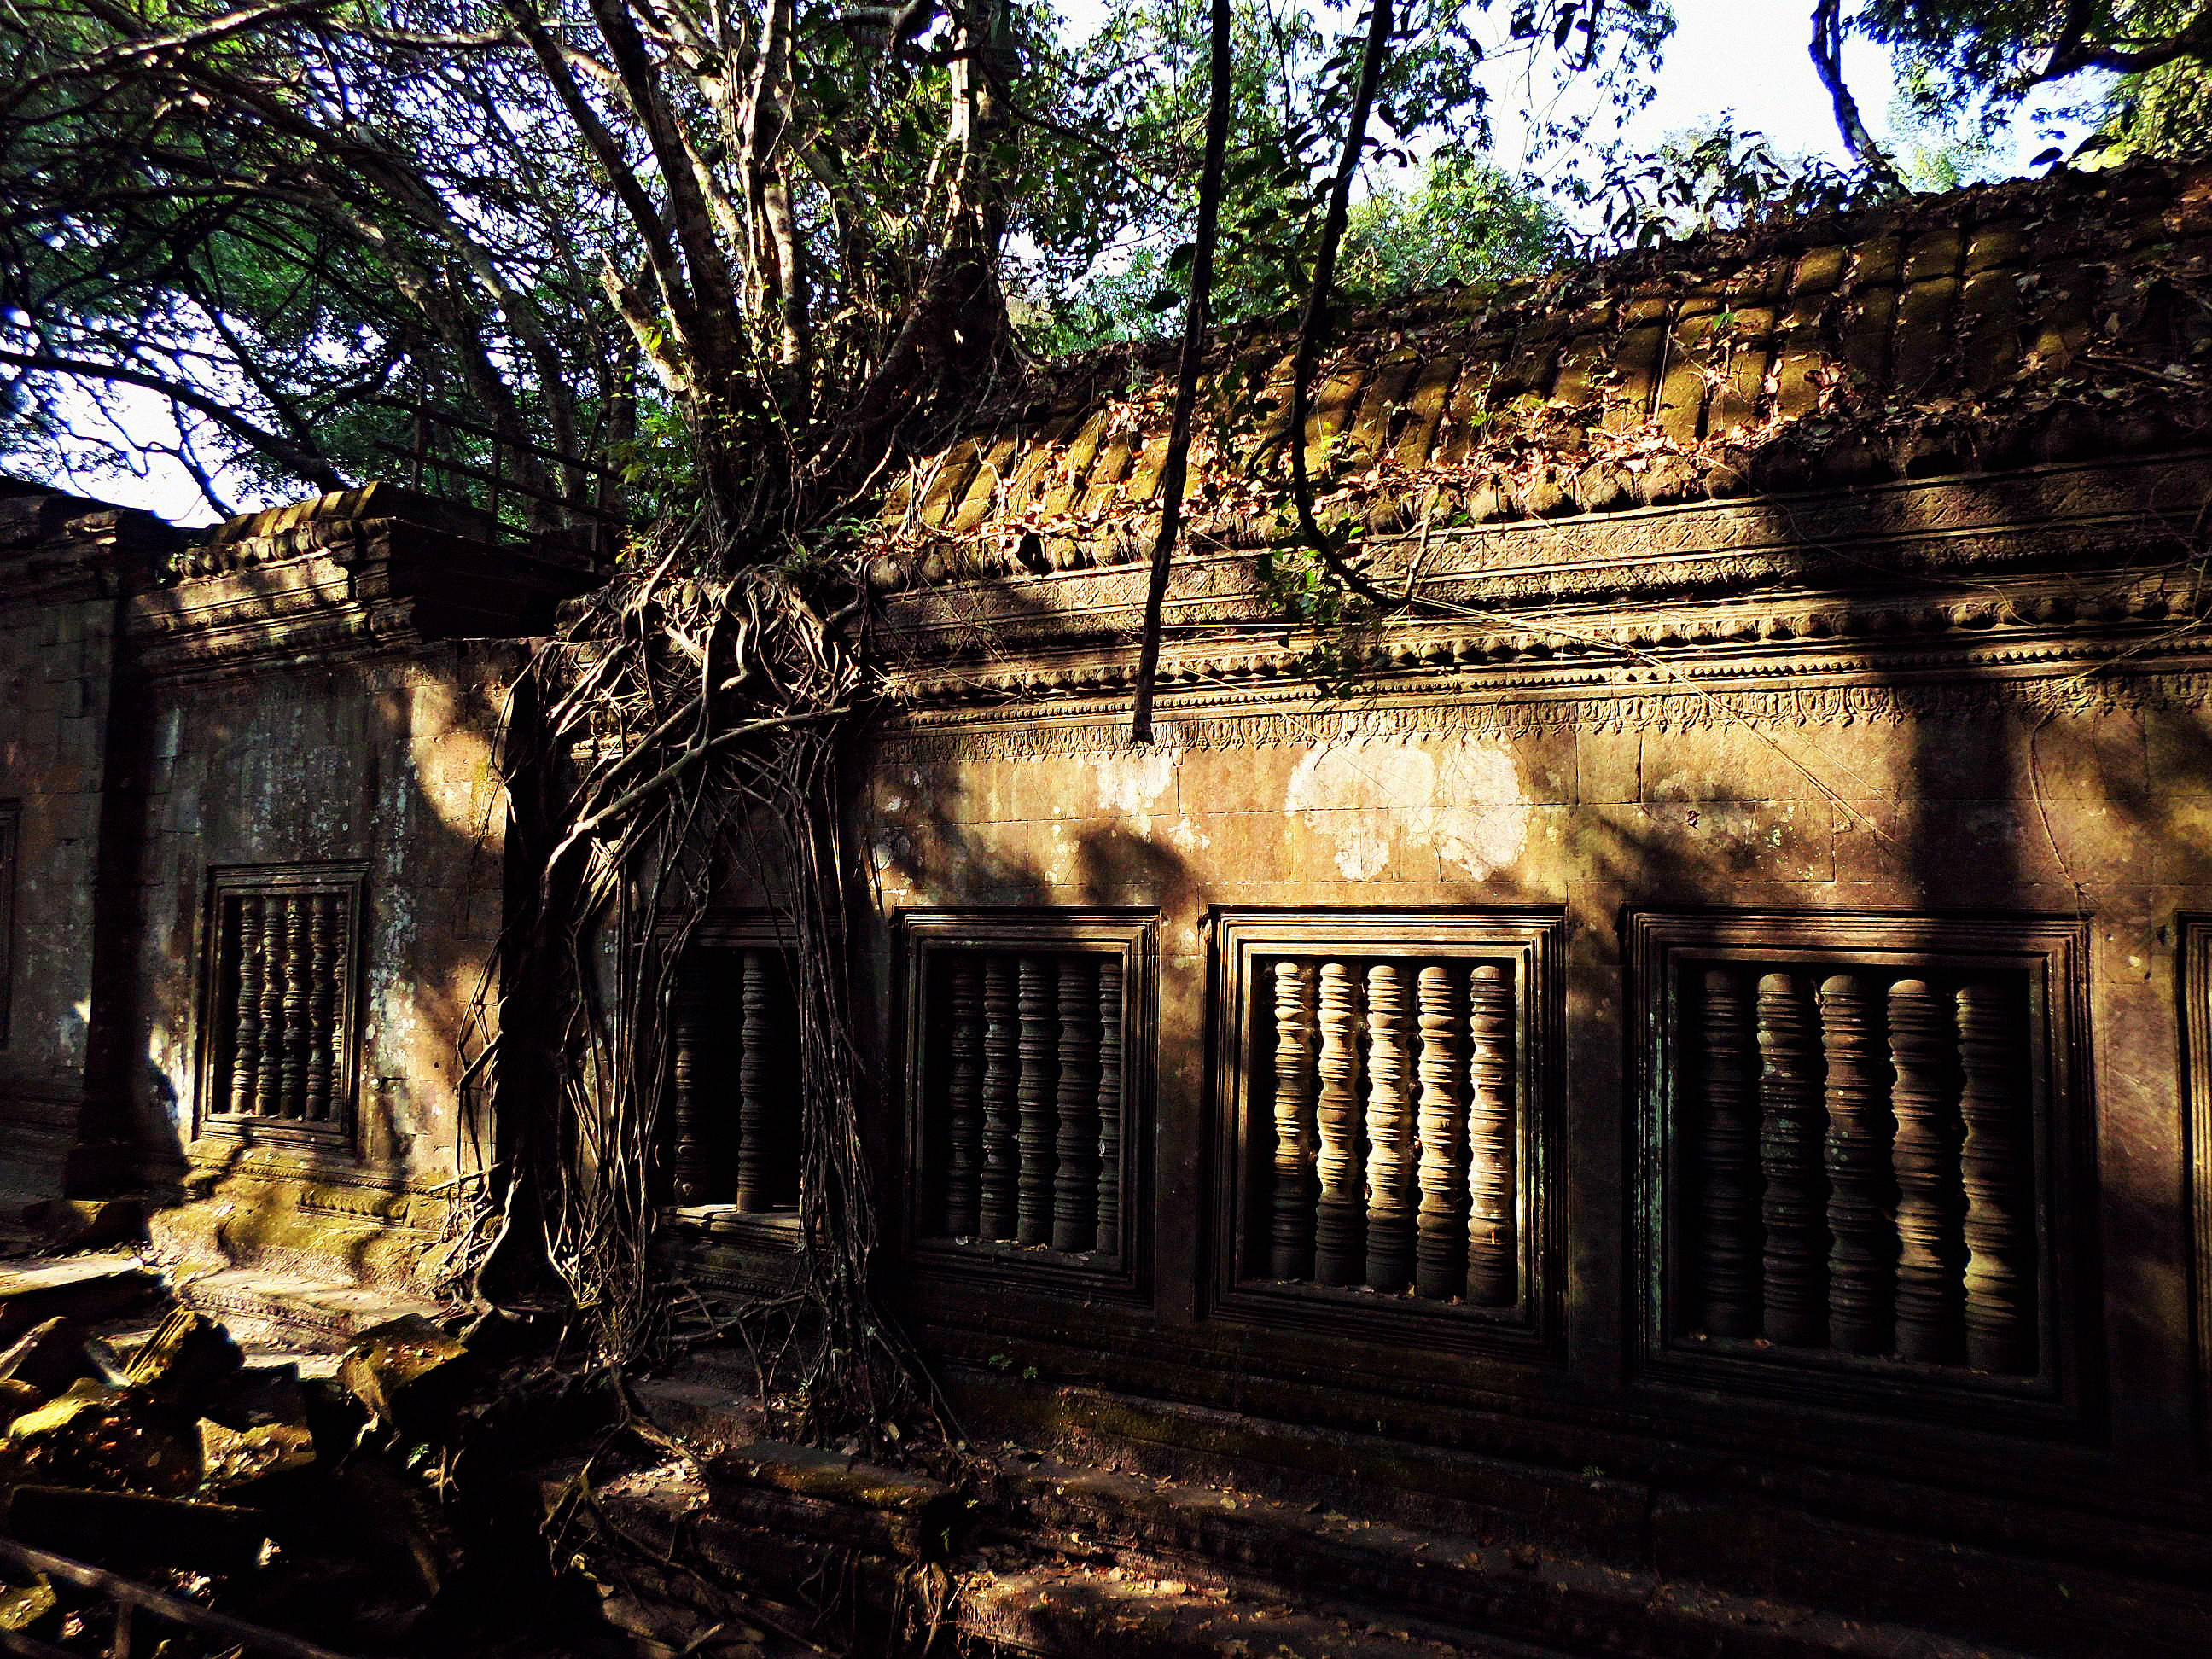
(630, 253)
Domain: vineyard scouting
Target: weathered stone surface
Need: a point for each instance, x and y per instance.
(239, 1457)
(398, 1361)
(190, 1362)
(50, 1357)
(86, 1287)
(97, 1436)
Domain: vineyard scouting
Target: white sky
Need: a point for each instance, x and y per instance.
(1747, 56)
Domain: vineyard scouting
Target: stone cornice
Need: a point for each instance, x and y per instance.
(1900, 537)
(339, 589)
(58, 549)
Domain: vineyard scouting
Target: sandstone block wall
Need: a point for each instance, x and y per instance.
(64, 567)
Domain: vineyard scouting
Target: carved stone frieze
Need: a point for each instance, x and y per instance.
(1292, 718)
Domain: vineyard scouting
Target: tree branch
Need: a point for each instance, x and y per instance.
(1176, 474)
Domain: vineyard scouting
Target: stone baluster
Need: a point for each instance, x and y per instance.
(269, 1074)
(1033, 1101)
(1440, 1241)
(1727, 1190)
(299, 985)
(324, 932)
(757, 1084)
(1791, 1126)
(246, 1043)
(1109, 1106)
(1341, 1216)
(1075, 1178)
(1001, 1072)
(963, 1084)
(692, 1176)
(1290, 1233)
(1392, 1193)
(1997, 1174)
(1862, 1238)
(1924, 1158)
(1493, 1269)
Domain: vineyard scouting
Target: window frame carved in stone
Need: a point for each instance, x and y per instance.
(1865, 1138)
(1475, 1001)
(743, 940)
(319, 987)
(987, 1013)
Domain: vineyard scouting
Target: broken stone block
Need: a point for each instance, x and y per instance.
(188, 1361)
(131, 1530)
(234, 1457)
(84, 1223)
(86, 1287)
(97, 1436)
(389, 1368)
(49, 1358)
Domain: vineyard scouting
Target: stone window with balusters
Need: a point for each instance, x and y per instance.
(733, 1119)
(279, 1031)
(1384, 1119)
(1028, 1064)
(1858, 1135)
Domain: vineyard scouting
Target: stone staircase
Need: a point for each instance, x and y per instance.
(1092, 1546)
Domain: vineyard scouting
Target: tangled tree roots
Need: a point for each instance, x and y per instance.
(679, 729)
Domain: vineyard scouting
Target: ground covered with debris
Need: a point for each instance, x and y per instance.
(448, 1484)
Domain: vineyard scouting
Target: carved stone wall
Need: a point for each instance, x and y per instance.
(1971, 767)
(321, 858)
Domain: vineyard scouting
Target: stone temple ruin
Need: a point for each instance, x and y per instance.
(1701, 1055)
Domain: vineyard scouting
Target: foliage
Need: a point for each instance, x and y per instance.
(2136, 68)
(1716, 180)
(1462, 220)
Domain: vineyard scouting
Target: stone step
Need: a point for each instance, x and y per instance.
(1477, 1592)
(1074, 1610)
(2027, 1576)
(299, 1315)
(94, 1286)
(1060, 1557)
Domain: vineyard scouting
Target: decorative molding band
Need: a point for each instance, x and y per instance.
(1022, 735)
(1848, 539)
